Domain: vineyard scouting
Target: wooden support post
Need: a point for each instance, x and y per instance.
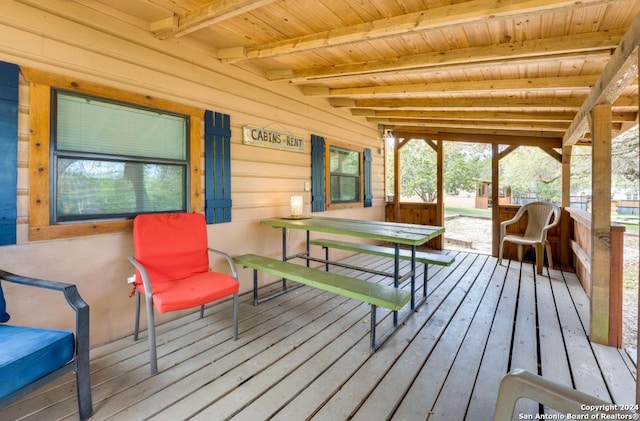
(440, 190)
(616, 275)
(601, 223)
(566, 176)
(396, 179)
(564, 247)
(638, 318)
(495, 199)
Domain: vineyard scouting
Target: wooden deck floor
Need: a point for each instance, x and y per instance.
(306, 355)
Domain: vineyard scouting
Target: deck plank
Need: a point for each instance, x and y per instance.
(618, 371)
(342, 320)
(496, 355)
(551, 339)
(292, 316)
(578, 347)
(525, 339)
(427, 370)
(306, 354)
(344, 404)
(550, 334)
(318, 361)
(333, 381)
(456, 392)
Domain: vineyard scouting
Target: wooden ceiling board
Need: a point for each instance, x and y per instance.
(176, 7)
(412, 56)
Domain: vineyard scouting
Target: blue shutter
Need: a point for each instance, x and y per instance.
(368, 187)
(9, 74)
(217, 156)
(317, 174)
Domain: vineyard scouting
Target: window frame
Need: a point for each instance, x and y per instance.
(40, 94)
(343, 205)
(58, 154)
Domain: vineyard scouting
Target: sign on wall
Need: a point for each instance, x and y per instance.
(260, 136)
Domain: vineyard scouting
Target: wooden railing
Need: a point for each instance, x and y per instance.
(579, 242)
(482, 202)
(570, 247)
(417, 213)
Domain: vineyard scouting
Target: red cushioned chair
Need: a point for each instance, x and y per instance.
(171, 257)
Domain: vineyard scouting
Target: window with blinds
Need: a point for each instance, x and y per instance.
(113, 160)
(345, 174)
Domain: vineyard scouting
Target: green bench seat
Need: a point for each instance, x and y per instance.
(376, 295)
(421, 256)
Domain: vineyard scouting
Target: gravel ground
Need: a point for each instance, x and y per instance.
(478, 231)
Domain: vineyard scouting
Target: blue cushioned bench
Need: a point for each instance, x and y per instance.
(377, 295)
(31, 357)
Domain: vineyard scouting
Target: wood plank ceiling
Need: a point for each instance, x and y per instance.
(499, 71)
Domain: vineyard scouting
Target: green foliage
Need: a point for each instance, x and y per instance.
(104, 188)
(625, 160)
(467, 211)
(625, 165)
(464, 164)
(531, 172)
(418, 171)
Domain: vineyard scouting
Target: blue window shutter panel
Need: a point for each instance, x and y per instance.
(9, 75)
(317, 174)
(368, 187)
(217, 155)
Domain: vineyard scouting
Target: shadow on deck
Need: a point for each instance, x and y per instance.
(306, 354)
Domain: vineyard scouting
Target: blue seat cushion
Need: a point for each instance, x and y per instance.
(29, 353)
(4, 316)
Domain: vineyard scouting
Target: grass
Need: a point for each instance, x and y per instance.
(464, 211)
(630, 222)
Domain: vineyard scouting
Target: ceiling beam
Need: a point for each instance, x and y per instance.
(592, 56)
(626, 118)
(470, 115)
(444, 17)
(540, 127)
(468, 87)
(464, 104)
(619, 72)
(209, 14)
(488, 132)
(506, 103)
(494, 139)
(475, 124)
(568, 44)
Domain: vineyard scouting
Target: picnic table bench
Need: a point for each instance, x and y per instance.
(377, 295)
(410, 235)
(420, 256)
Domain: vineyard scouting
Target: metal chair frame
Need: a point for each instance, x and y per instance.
(80, 362)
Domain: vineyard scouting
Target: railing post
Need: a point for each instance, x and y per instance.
(581, 245)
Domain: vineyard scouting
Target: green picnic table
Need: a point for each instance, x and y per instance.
(398, 234)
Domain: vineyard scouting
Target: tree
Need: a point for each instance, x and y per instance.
(625, 161)
(418, 170)
(624, 165)
(531, 172)
(464, 164)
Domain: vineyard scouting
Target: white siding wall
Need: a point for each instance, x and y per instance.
(119, 54)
